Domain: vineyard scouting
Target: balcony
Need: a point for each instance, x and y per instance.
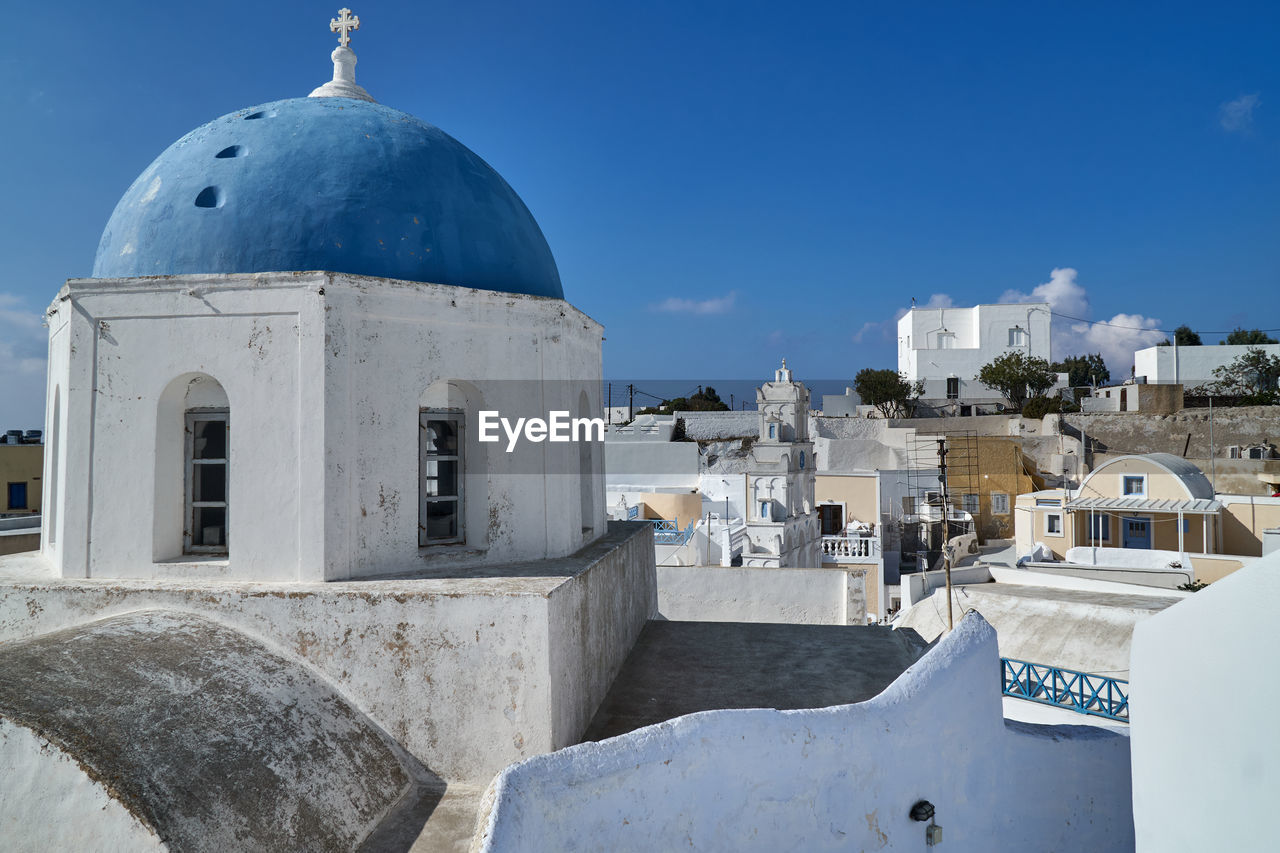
(852, 548)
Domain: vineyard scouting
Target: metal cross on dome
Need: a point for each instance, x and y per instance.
(345, 24)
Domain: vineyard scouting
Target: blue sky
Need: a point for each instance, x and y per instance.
(725, 183)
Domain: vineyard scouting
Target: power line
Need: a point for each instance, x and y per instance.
(1141, 328)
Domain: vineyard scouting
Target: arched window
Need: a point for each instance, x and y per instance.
(453, 499)
(192, 469)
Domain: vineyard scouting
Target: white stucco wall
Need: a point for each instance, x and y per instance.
(467, 673)
(796, 596)
(324, 375)
(840, 778)
(1206, 761)
(981, 335)
(1189, 366)
(49, 802)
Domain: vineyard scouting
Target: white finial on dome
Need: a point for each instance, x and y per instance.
(345, 24)
(343, 84)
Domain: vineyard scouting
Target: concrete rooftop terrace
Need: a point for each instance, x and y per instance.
(679, 668)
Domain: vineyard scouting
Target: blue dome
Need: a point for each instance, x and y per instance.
(327, 184)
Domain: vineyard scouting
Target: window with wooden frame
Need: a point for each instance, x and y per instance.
(440, 477)
(208, 448)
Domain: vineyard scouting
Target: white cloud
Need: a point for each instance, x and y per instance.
(1237, 116)
(716, 305)
(1073, 334)
(23, 349)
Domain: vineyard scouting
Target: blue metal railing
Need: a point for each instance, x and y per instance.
(1097, 695)
(668, 532)
(633, 512)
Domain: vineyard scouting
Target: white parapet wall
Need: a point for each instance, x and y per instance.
(840, 778)
(468, 673)
(1206, 759)
(828, 596)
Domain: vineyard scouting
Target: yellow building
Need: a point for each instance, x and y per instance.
(849, 515)
(20, 469)
(985, 475)
(1155, 501)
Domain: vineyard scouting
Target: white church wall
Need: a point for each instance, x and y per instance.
(48, 802)
(1202, 780)
(835, 778)
(324, 375)
(408, 652)
(131, 343)
(827, 596)
(517, 355)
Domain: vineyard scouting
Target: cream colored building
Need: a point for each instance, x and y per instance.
(20, 471)
(1155, 501)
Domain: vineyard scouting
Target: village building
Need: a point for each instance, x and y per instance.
(945, 348)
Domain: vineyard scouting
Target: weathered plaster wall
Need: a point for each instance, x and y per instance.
(827, 596)
(1199, 786)
(323, 479)
(48, 802)
(1135, 432)
(840, 778)
(457, 669)
(594, 620)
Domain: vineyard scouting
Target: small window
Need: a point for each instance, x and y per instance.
(773, 430)
(1186, 525)
(764, 509)
(953, 388)
(17, 496)
(440, 444)
(1100, 528)
(999, 503)
(946, 340)
(1048, 502)
(1017, 337)
(969, 503)
(908, 505)
(801, 460)
(1134, 485)
(1053, 524)
(208, 469)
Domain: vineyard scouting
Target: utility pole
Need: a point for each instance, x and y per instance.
(609, 405)
(731, 401)
(1213, 465)
(631, 403)
(946, 558)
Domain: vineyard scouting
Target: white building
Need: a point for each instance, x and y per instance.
(1190, 366)
(782, 521)
(946, 347)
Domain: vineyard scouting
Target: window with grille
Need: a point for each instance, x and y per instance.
(208, 460)
(440, 452)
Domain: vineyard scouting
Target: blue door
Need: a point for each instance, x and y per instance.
(1137, 533)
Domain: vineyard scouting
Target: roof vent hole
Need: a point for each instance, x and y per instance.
(209, 197)
(260, 114)
(229, 151)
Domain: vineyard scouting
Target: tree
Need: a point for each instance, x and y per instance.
(1252, 375)
(703, 400)
(1183, 336)
(889, 391)
(1251, 337)
(1083, 370)
(1018, 376)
